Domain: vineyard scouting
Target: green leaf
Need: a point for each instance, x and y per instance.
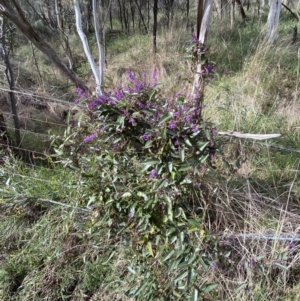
(187, 142)
(208, 287)
(240, 287)
(141, 288)
(191, 276)
(195, 295)
(259, 258)
(181, 286)
(152, 94)
(170, 166)
(149, 247)
(182, 154)
(190, 47)
(185, 167)
(170, 213)
(143, 195)
(173, 265)
(281, 266)
(109, 258)
(181, 276)
(149, 163)
(148, 144)
(283, 256)
(120, 120)
(168, 255)
(162, 184)
(204, 158)
(192, 258)
(202, 145)
(165, 118)
(126, 195)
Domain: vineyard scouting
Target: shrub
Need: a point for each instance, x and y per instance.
(143, 159)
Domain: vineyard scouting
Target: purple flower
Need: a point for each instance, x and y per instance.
(102, 99)
(81, 92)
(146, 136)
(131, 76)
(141, 105)
(172, 125)
(176, 114)
(214, 265)
(198, 185)
(119, 94)
(125, 112)
(138, 86)
(154, 79)
(214, 131)
(90, 138)
(188, 118)
(195, 38)
(92, 105)
(153, 174)
(132, 121)
(209, 68)
(194, 128)
(291, 245)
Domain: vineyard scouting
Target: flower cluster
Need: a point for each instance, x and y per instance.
(135, 118)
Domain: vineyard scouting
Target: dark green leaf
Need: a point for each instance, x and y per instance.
(181, 276)
(240, 287)
(191, 276)
(206, 288)
(168, 255)
(166, 117)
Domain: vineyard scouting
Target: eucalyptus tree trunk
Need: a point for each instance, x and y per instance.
(11, 82)
(241, 8)
(187, 13)
(58, 12)
(232, 13)
(203, 23)
(65, 39)
(155, 10)
(16, 15)
(121, 15)
(273, 20)
(97, 72)
(141, 16)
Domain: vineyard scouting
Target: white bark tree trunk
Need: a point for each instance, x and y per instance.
(273, 20)
(99, 45)
(198, 85)
(87, 51)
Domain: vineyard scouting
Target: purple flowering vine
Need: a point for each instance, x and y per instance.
(90, 138)
(146, 136)
(153, 174)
